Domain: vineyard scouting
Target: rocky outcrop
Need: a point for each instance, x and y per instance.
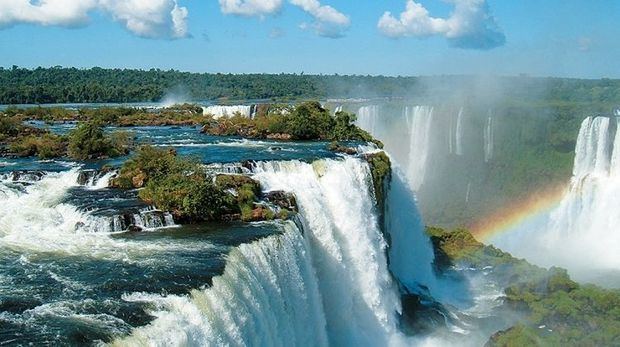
(337, 147)
(381, 170)
(282, 199)
(280, 136)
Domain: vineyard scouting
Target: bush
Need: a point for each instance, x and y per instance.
(147, 163)
(45, 146)
(9, 126)
(89, 141)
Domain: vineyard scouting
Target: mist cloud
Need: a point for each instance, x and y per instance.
(144, 18)
(471, 24)
(327, 21)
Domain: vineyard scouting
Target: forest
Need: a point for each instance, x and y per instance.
(99, 85)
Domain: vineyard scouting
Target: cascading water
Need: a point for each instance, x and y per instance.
(419, 120)
(331, 286)
(581, 234)
(218, 111)
(458, 133)
(367, 117)
(35, 217)
(488, 140)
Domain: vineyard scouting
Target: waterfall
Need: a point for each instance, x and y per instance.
(330, 287)
(411, 252)
(337, 109)
(267, 296)
(218, 111)
(367, 117)
(419, 120)
(581, 234)
(458, 133)
(488, 140)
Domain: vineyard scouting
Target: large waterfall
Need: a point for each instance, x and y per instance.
(582, 232)
(414, 153)
(330, 286)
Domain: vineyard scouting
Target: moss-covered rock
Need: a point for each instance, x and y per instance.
(381, 171)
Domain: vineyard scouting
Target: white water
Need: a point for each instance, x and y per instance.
(413, 152)
(458, 134)
(331, 286)
(35, 218)
(419, 120)
(488, 140)
(367, 117)
(411, 252)
(582, 233)
(218, 111)
(267, 296)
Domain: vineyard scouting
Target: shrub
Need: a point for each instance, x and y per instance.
(45, 146)
(9, 126)
(147, 163)
(89, 141)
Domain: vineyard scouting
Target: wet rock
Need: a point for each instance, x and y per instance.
(139, 180)
(280, 136)
(282, 199)
(232, 217)
(134, 228)
(336, 147)
(29, 176)
(85, 176)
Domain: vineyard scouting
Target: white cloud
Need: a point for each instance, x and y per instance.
(327, 22)
(149, 18)
(250, 7)
(145, 18)
(470, 25)
(45, 12)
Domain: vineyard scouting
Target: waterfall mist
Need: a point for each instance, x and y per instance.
(581, 234)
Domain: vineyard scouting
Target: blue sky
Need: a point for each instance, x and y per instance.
(574, 38)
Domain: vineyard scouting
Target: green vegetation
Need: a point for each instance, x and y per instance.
(305, 121)
(558, 311)
(381, 171)
(184, 114)
(89, 141)
(44, 146)
(71, 85)
(183, 187)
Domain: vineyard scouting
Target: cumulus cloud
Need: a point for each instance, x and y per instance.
(470, 25)
(327, 22)
(250, 7)
(145, 18)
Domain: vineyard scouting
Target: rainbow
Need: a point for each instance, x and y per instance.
(518, 212)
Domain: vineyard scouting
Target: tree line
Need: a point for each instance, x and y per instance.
(99, 85)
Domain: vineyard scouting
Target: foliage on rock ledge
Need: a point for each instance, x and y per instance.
(306, 121)
(381, 171)
(183, 187)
